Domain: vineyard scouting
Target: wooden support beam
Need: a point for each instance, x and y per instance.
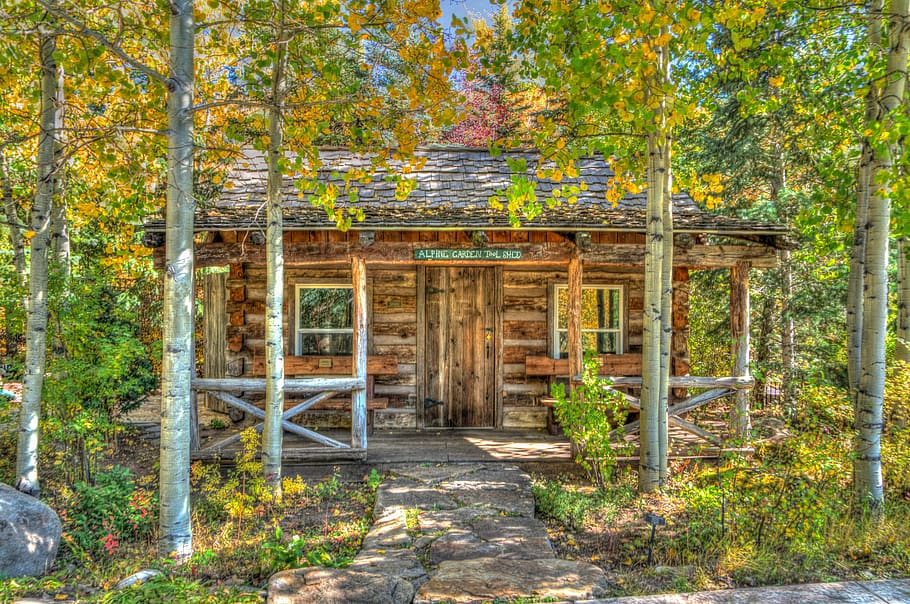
(532, 254)
(576, 354)
(257, 412)
(291, 386)
(359, 368)
(740, 422)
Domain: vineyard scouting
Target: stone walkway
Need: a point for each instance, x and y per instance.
(448, 533)
(467, 533)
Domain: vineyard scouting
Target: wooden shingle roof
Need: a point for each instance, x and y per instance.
(453, 188)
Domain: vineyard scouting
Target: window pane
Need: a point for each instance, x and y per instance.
(563, 345)
(603, 343)
(326, 308)
(562, 308)
(325, 344)
(600, 308)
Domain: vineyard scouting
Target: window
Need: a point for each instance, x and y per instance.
(325, 320)
(601, 320)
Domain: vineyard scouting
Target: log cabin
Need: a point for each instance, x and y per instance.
(468, 317)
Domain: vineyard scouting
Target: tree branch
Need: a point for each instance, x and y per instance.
(83, 29)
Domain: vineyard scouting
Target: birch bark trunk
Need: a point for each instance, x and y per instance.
(654, 390)
(175, 532)
(864, 176)
(902, 351)
(870, 395)
(12, 219)
(36, 322)
(274, 302)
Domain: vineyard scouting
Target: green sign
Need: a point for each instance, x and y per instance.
(467, 254)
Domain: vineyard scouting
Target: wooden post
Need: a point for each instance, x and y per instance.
(194, 421)
(214, 331)
(740, 422)
(576, 355)
(359, 365)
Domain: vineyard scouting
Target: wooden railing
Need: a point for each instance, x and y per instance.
(621, 370)
(229, 391)
(715, 388)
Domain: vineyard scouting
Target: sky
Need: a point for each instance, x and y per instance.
(463, 8)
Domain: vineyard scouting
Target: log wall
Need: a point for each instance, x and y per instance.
(393, 300)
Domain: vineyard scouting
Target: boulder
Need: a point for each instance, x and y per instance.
(29, 534)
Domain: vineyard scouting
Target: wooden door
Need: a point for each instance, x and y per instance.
(461, 318)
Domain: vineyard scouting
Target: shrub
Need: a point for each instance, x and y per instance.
(113, 511)
(588, 416)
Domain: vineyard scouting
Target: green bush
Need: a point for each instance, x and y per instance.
(100, 370)
(896, 439)
(105, 515)
(588, 415)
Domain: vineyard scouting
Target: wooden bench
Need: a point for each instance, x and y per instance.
(611, 365)
(310, 366)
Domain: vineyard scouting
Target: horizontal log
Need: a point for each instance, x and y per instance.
(345, 405)
(295, 386)
(610, 364)
(688, 381)
(294, 365)
(532, 254)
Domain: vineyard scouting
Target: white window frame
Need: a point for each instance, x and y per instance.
(619, 331)
(298, 331)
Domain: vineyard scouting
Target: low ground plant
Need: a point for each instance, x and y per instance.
(785, 515)
(589, 414)
(240, 535)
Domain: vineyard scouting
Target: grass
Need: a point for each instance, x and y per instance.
(240, 538)
(786, 515)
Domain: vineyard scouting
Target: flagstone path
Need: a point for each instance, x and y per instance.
(448, 533)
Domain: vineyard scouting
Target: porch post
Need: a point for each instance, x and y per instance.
(359, 364)
(576, 356)
(740, 422)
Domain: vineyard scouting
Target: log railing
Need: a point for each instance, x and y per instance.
(714, 387)
(230, 390)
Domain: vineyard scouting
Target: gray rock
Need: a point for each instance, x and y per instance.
(337, 586)
(432, 474)
(141, 577)
(489, 578)
(436, 522)
(29, 534)
(408, 494)
(401, 563)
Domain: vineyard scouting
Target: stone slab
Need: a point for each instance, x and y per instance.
(819, 593)
(517, 537)
(409, 494)
(890, 591)
(489, 578)
(401, 563)
(390, 530)
(337, 586)
(509, 501)
(443, 520)
(434, 473)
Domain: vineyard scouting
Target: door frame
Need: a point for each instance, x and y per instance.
(497, 304)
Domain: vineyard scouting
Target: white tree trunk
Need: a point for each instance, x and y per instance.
(902, 350)
(175, 533)
(666, 319)
(740, 416)
(870, 396)
(274, 300)
(60, 236)
(12, 219)
(36, 323)
(651, 405)
(864, 176)
(789, 387)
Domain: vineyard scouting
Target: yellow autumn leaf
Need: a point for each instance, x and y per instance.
(28, 234)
